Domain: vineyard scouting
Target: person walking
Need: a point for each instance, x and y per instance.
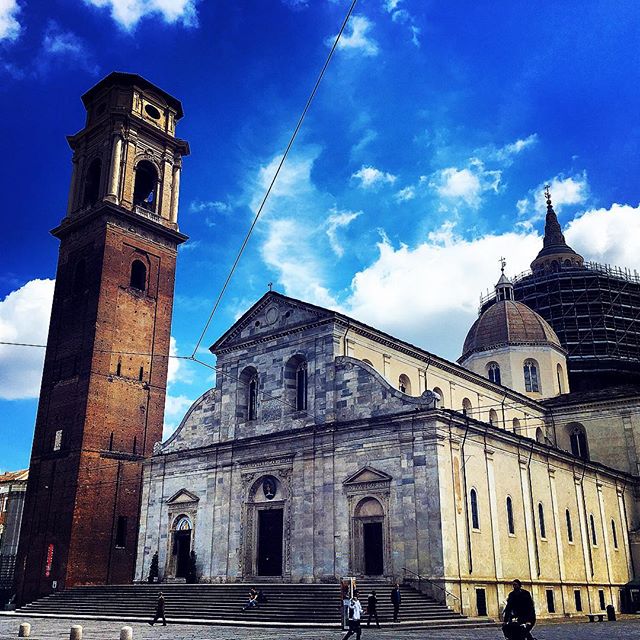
(354, 617)
(159, 611)
(395, 599)
(372, 608)
(519, 614)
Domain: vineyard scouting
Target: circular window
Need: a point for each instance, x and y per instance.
(152, 111)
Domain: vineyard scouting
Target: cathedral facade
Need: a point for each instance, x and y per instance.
(330, 449)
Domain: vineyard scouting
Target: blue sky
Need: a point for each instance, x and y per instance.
(420, 163)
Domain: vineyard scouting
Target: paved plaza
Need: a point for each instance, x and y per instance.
(48, 629)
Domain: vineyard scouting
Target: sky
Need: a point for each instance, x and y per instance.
(421, 162)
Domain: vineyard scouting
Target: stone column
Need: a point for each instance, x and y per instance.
(584, 533)
(386, 364)
(558, 532)
(495, 527)
(624, 532)
(605, 534)
(114, 169)
(72, 189)
(529, 520)
(175, 192)
(422, 381)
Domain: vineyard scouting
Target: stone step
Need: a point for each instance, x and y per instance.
(288, 604)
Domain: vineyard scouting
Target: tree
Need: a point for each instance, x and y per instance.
(153, 570)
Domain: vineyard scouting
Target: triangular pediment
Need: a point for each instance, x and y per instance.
(182, 496)
(367, 474)
(272, 314)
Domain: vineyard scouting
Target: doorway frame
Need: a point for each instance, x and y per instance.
(255, 501)
(181, 503)
(356, 535)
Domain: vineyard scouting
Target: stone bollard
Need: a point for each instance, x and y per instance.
(25, 630)
(126, 633)
(76, 632)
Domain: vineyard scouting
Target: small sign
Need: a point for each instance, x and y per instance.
(47, 570)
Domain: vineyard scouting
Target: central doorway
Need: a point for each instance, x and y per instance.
(270, 542)
(372, 538)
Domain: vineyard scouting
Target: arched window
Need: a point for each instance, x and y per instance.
(560, 375)
(493, 372)
(92, 183)
(404, 384)
(569, 527)
(578, 439)
(295, 382)
(466, 406)
(543, 528)
(248, 394)
(493, 417)
(592, 524)
(510, 524)
(516, 425)
(438, 392)
(301, 387)
(182, 524)
(80, 277)
(531, 382)
(475, 518)
(138, 278)
(614, 533)
(145, 187)
(540, 435)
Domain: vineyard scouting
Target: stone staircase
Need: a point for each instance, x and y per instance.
(310, 605)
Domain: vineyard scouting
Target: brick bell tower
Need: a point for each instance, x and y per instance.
(103, 388)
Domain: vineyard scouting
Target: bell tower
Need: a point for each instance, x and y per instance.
(103, 389)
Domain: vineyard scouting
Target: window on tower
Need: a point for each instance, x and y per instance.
(531, 382)
(138, 278)
(92, 183)
(493, 372)
(144, 190)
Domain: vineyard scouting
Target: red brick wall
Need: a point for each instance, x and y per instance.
(75, 496)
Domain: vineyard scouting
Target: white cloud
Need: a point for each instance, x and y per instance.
(402, 16)
(24, 317)
(371, 177)
(339, 220)
(506, 153)
(355, 38)
(369, 136)
(198, 206)
(406, 194)
(467, 184)
(287, 250)
(429, 295)
(174, 409)
(610, 236)
(127, 13)
(64, 47)
(9, 26)
(573, 190)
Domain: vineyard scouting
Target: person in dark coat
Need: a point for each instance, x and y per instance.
(372, 608)
(159, 611)
(395, 599)
(519, 614)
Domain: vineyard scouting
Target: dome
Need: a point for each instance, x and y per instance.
(508, 322)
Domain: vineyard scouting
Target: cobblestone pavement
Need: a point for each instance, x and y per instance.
(46, 629)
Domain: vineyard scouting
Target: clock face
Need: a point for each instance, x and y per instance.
(152, 112)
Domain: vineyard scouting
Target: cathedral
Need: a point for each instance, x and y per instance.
(327, 448)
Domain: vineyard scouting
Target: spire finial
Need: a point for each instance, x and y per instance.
(503, 264)
(270, 285)
(547, 194)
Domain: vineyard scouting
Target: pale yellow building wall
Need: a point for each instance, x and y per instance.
(500, 466)
(392, 363)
